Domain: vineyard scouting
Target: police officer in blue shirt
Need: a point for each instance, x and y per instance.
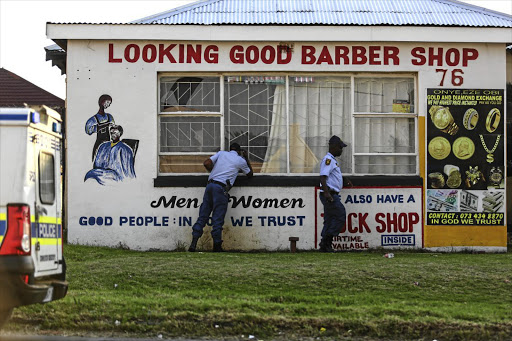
(224, 167)
(331, 182)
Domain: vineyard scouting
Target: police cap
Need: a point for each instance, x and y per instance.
(336, 140)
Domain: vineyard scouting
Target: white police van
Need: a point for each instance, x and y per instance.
(32, 267)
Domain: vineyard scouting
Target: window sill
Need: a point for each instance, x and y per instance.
(290, 181)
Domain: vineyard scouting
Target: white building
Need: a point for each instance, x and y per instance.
(416, 89)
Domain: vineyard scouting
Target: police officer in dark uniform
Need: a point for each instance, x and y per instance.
(331, 182)
(224, 167)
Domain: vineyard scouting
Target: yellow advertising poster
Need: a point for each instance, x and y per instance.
(466, 157)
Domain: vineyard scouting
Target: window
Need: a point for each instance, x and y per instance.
(319, 108)
(46, 178)
(384, 126)
(190, 122)
(255, 110)
(189, 94)
(285, 121)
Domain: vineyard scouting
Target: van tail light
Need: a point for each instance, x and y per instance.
(17, 239)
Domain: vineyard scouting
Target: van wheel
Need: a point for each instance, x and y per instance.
(5, 314)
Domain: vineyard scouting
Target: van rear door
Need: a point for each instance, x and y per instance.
(47, 231)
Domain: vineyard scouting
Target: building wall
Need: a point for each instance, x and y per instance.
(509, 125)
(103, 67)
(508, 66)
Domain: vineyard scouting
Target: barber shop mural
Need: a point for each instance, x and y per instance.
(113, 158)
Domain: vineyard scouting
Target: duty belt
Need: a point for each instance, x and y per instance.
(333, 192)
(216, 182)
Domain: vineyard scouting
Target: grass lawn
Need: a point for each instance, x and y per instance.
(279, 296)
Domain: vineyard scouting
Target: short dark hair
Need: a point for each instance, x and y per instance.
(119, 128)
(235, 146)
(103, 98)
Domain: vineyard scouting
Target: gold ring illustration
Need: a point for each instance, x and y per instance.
(473, 176)
(493, 120)
(439, 148)
(443, 120)
(470, 119)
(463, 148)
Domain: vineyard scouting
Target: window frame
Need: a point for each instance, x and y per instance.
(353, 116)
(413, 115)
(40, 178)
(189, 114)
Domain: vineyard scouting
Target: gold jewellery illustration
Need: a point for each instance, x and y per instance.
(463, 148)
(454, 178)
(493, 120)
(496, 177)
(436, 180)
(443, 120)
(490, 155)
(473, 176)
(439, 148)
(470, 119)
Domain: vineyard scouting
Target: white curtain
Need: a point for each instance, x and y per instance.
(275, 157)
(384, 134)
(319, 108)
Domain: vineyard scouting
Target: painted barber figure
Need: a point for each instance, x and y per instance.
(331, 182)
(223, 167)
(100, 123)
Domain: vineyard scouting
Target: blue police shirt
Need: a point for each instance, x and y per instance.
(226, 166)
(329, 168)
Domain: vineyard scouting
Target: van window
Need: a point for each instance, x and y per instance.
(46, 178)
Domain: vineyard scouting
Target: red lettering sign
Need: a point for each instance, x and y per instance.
(111, 58)
(165, 52)
(396, 222)
(128, 53)
(236, 54)
(288, 54)
(357, 55)
(438, 56)
(150, 53)
(211, 55)
(325, 56)
(281, 54)
(308, 55)
(391, 52)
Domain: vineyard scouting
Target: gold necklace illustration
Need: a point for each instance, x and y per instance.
(490, 156)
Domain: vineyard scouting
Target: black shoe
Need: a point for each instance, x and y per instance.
(326, 244)
(193, 245)
(329, 244)
(322, 248)
(217, 247)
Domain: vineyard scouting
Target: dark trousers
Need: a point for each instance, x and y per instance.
(215, 200)
(334, 216)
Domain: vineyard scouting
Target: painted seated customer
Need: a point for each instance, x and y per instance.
(114, 160)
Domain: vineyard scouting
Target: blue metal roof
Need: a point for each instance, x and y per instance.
(331, 12)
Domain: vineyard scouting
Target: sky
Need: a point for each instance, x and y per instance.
(23, 29)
